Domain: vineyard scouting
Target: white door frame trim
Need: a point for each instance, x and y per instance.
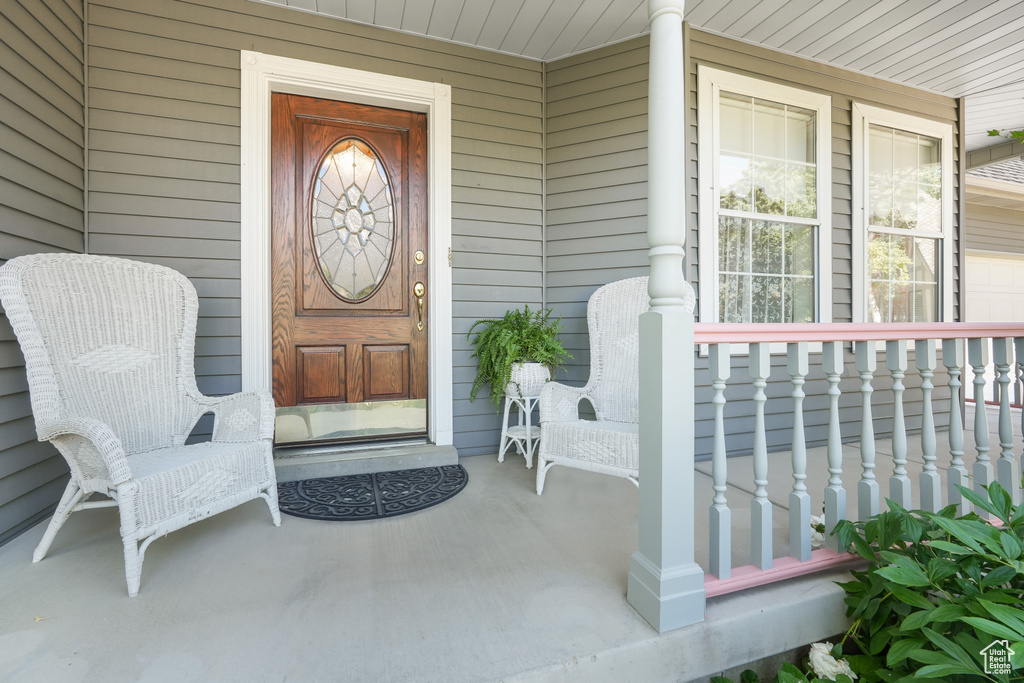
(263, 74)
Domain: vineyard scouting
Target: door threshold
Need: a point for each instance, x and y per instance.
(310, 462)
(341, 448)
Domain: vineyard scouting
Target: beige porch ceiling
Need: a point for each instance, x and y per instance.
(958, 48)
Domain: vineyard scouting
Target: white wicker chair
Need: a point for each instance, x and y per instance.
(109, 347)
(610, 444)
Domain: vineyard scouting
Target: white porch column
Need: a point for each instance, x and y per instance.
(665, 584)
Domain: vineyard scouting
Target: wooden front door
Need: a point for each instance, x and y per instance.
(349, 267)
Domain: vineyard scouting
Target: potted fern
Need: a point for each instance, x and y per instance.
(517, 353)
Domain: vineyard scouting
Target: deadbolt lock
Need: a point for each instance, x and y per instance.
(419, 257)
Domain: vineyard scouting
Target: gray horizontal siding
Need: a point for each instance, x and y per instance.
(596, 182)
(164, 172)
(597, 172)
(994, 229)
(42, 123)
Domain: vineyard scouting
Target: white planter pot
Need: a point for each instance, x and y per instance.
(527, 380)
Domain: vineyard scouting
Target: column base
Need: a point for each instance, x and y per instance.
(666, 599)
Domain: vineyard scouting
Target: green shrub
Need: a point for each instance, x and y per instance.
(938, 589)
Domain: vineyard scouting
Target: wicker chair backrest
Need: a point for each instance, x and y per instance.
(613, 319)
(106, 339)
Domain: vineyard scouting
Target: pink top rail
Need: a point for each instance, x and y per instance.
(717, 333)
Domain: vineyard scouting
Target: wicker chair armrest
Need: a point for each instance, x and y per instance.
(100, 436)
(560, 402)
(246, 416)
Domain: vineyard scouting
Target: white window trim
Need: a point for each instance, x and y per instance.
(863, 116)
(710, 82)
(263, 74)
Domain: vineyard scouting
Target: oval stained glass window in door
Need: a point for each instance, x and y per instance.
(353, 219)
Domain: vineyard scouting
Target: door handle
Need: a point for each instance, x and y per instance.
(419, 290)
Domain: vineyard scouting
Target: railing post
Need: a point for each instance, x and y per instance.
(760, 506)
(899, 482)
(1006, 467)
(666, 586)
(835, 495)
(799, 501)
(931, 484)
(867, 487)
(720, 516)
(977, 356)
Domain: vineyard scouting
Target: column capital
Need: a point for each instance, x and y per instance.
(658, 7)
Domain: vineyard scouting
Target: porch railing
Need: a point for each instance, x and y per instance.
(953, 354)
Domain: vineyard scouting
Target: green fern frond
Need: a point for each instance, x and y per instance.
(518, 337)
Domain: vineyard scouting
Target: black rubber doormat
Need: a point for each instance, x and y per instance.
(371, 496)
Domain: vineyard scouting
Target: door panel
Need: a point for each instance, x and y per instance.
(321, 374)
(386, 373)
(348, 216)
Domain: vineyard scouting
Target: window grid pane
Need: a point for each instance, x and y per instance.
(904, 180)
(903, 274)
(767, 158)
(904, 194)
(766, 271)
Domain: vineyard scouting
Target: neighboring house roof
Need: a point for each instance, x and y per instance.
(1011, 171)
(999, 185)
(949, 47)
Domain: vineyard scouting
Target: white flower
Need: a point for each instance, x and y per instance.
(817, 531)
(825, 665)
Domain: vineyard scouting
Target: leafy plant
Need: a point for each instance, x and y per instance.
(1017, 135)
(519, 337)
(788, 674)
(938, 590)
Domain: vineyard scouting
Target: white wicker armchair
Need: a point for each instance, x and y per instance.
(109, 351)
(610, 444)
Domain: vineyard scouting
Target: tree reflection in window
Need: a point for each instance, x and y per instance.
(767, 174)
(904, 220)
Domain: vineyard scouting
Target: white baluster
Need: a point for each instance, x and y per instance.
(835, 494)
(977, 356)
(799, 501)
(956, 475)
(899, 482)
(720, 516)
(1018, 345)
(760, 506)
(1006, 466)
(867, 488)
(931, 483)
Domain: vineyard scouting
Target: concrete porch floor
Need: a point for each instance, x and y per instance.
(497, 584)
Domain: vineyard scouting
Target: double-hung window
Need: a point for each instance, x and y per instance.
(765, 201)
(903, 217)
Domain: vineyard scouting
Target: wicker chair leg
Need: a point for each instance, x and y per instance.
(270, 495)
(542, 471)
(132, 566)
(72, 495)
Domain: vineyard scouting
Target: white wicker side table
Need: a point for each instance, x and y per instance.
(524, 434)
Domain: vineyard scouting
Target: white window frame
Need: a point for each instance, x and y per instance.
(863, 116)
(710, 82)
